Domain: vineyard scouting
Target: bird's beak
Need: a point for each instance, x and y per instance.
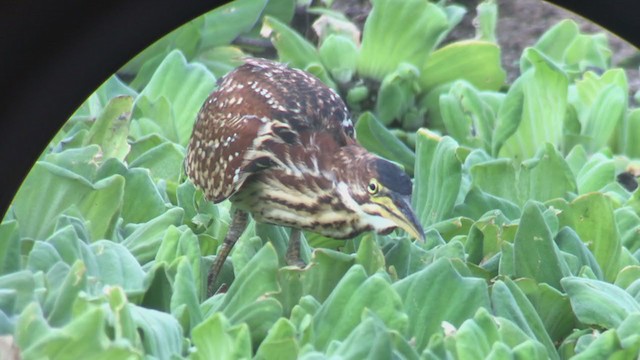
(405, 218)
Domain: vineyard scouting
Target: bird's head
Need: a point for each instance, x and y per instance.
(382, 191)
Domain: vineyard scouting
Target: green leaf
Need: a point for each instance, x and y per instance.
(600, 102)
(142, 200)
(438, 173)
(9, 247)
(467, 118)
(369, 255)
(510, 302)
(591, 216)
(220, 60)
(487, 19)
(598, 171)
(255, 280)
(378, 139)
(118, 267)
(569, 242)
(553, 308)
(477, 202)
(535, 108)
(380, 344)
(281, 342)
(185, 298)
(95, 103)
(632, 147)
(343, 309)
(438, 293)
(292, 48)
(111, 128)
(535, 254)
(17, 290)
(599, 303)
(99, 203)
(496, 177)
(399, 31)
(185, 86)
(227, 22)
(628, 223)
(606, 112)
(160, 332)
(475, 61)
(216, 338)
(396, 95)
(144, 239)
(339, 56)
(545, 177)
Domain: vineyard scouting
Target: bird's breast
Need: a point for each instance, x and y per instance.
(277, 197)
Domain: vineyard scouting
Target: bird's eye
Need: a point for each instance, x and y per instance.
(373, 187)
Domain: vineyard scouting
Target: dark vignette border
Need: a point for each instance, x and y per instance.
(53, 54)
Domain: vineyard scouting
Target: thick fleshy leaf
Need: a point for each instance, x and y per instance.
(591, 216)
(632, 147)
(404, 31)
(438, 173)
(281, 342)
(118, 267)
(510, 302)
(600, 102)
(477, 62)
(255, 280)
(9, 247)
(498, 178)
(533, 112)
(382, 343)
(343, 309)
(162, 335)
(369, 255)
(292, 47)
(216, 338)
(535, 254)
(545, 177)
(553, 308)
(467, 117)
(226, 22)
(599, 303)
(339, 55)
(99, 202)
(111, 128)
(143, 240)
(185, 86)
(142, 200)
(569, 242)
(163, 161)
(376, 138)
(436, 294)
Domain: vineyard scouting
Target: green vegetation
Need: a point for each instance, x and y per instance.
(532, 249)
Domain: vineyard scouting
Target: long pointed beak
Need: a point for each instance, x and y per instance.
(405, 217)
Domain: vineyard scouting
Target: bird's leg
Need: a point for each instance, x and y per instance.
(293, 250)
(238, 224)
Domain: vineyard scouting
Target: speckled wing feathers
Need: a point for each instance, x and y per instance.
(253, 118)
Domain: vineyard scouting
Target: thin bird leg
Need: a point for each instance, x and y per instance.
(238, 224)
(293, 250)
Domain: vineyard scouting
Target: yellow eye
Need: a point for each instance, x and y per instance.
(373, 187)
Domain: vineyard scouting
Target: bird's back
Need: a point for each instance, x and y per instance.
(258, 110)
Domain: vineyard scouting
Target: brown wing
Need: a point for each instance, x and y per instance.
(258, 108)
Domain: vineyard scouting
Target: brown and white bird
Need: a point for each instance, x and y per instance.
(280, 145)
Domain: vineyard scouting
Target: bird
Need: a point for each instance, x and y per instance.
(280, 145)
